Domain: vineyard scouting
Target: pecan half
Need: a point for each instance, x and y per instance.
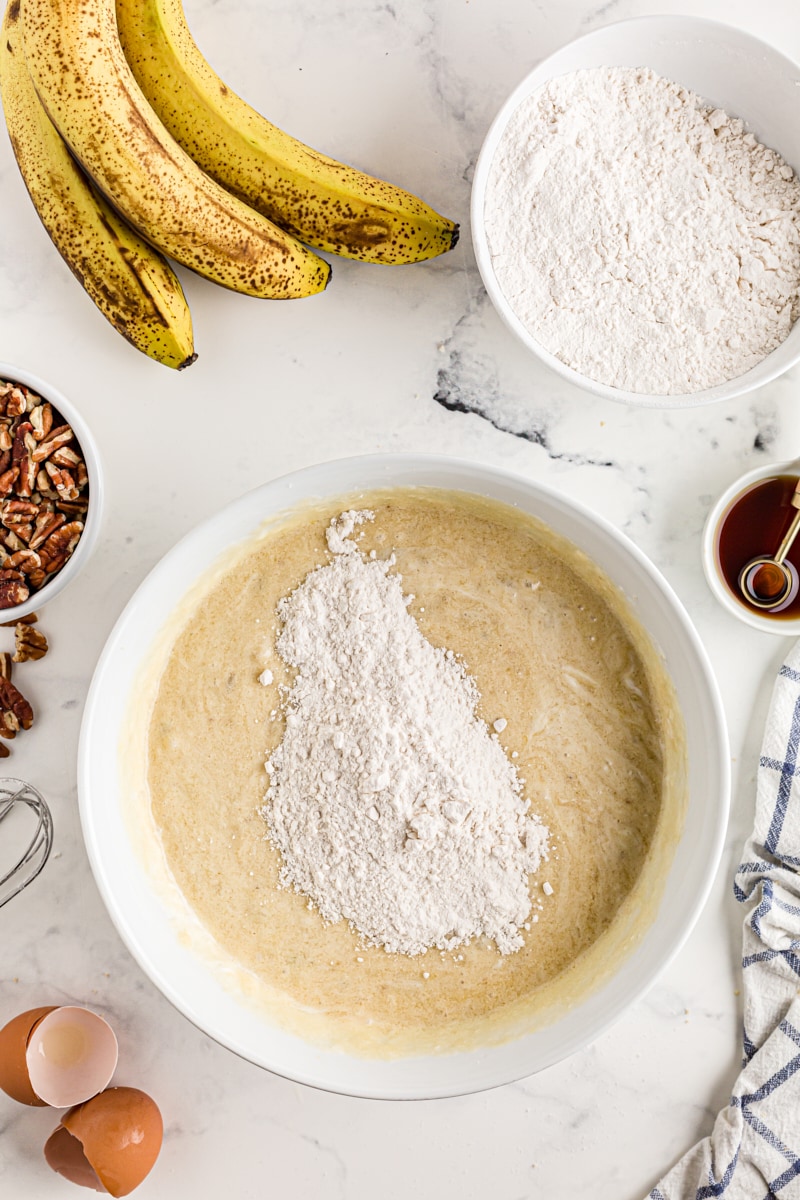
(4, 750)
(9, 724)
(44, 486)
(24, 560)
(73, 508)
(42, 420)
(18, 517)
(31, 619)
(63, 481)
(13, 588)
(14, 705)
(59, 546)
(18, 447)
(16, 402)
(66, 457)
(45, 524)
(5, 665)
(12, 512)
(30, 644)
(7, 480)
(26, 482)
(55, 439)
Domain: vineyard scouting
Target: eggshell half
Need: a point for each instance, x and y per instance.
(71, 1056)
(64, 1154)
(14, 1078)
(121, 1131)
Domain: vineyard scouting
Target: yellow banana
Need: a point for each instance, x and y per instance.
(75, 59)
(131, 284)
(321, 201)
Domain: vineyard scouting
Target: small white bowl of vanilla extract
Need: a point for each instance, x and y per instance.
(749, 521)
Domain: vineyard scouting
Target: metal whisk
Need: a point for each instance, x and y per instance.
(14, 792)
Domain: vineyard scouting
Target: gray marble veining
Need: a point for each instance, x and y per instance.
(387, 359)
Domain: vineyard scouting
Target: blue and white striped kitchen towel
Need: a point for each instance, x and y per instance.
(753, 1152)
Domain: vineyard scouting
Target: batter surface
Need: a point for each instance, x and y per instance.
(590, 714)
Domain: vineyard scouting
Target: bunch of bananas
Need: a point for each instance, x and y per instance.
(134, 151)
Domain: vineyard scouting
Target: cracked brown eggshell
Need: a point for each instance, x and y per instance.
(14, 1038)
(58, 1056)
(108, 1143)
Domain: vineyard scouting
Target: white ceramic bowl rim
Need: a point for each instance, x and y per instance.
(786, 627)
(142, 922)
(94, 514)
(671, 38)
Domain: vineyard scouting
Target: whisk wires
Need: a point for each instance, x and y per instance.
(15, 792)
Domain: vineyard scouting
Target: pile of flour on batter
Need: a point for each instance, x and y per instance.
(391, 803)
(641, 236)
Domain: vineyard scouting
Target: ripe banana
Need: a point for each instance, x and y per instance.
(321, 201)
(131, 284)
(75, 59)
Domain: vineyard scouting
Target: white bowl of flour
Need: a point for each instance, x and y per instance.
(156, 922)
(636, 212)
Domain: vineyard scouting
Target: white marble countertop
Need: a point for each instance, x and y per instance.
(388, 359)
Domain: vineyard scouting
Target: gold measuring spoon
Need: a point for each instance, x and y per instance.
(766, 582)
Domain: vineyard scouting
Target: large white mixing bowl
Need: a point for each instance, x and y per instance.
(726, 66)
(141, 915)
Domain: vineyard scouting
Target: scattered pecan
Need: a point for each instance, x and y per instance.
(31, 619)
(30, 644)
(13, 704)
(9, 724)
(6, 440)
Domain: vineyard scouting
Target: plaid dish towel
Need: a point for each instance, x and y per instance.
(753, 1152)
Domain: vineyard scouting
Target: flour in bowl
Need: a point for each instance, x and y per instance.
(642, 236)
(391, 803)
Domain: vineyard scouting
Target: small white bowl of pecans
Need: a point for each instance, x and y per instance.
(50, 492)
